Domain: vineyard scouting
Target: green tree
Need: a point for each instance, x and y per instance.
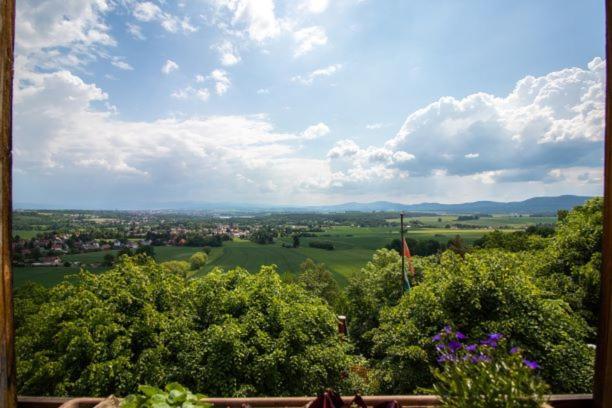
(148, 250)
(296, 241)
(180, 268)
(375, 286)
(198, 260)
(318, 280)
(485, 292)
(227, 333)
(108, 259)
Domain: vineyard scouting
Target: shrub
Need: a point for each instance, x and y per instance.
(328, 245)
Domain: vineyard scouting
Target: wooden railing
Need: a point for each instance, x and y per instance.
(412, 401)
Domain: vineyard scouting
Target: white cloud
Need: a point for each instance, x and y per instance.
(308, 38)
(315, 131)
(317, 73)
(121, 64)
(228, 53)
(255, 17)
(60, 135)
(546, 124)
(147, 11)
(375, 126)
(61, 33)
(200, 78)
(169, 66)
(263, 91)
(314, 6)
(222, 81)
(135, 31)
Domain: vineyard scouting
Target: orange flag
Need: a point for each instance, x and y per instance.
(409, 257)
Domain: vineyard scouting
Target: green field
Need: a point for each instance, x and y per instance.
(354, 247)
(497, 220)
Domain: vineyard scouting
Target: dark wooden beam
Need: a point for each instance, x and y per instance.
(602, 391)
(8, 389)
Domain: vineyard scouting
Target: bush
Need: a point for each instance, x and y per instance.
(328, 245)
(198, 260)
(231, 334)
(487, 291)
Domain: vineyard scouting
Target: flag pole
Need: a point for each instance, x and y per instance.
(402, 244)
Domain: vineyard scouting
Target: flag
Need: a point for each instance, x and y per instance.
(406, 254)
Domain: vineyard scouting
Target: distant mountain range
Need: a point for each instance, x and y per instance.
(530, 206)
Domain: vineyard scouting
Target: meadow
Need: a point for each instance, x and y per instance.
(354, 247)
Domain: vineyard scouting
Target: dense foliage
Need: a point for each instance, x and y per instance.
(484, 292)
(230, 333)
(234, 333)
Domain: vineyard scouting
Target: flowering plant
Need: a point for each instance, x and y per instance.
(485, 374)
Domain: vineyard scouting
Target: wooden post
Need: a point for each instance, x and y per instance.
(602, 391)
(8, 389)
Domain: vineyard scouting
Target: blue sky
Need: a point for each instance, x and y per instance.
(121, 103)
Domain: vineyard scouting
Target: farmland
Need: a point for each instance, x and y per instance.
(353, 248)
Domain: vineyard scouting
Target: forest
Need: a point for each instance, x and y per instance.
(253, 333)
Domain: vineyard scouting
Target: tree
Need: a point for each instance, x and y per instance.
(226, 333)
(108, 259)
(296, 241)
(263, 235)
(375, 286)
(318, 280)
(148, 250)
(457, 245)
(198, 260)
(180, 268)
(484, 292)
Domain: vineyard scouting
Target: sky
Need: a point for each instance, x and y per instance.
(129, 103)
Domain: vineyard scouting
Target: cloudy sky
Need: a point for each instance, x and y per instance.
(125, 103)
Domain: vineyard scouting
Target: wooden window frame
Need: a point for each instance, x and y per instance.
(602, 389)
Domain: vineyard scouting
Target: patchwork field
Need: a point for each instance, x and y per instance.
(354, 247)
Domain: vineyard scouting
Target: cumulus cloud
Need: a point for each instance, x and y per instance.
(228, 53)
(147, 11)
(255, 17)
(315, 131)
(169, 66)
(550, 122)
(121, 64)
(308, 38)
(60, 132)
(309, 78)
(61, 33)
(314, 6)
(203, 94)
(222, 81)
(135, 31)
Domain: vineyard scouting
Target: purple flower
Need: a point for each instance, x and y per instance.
(442, 359)
(480, 358)
(531, 364)
(514, 350)
(437, 337)
(492, 340)
(471, 348)
(454, 345)
(460, 336)
(448, 329)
